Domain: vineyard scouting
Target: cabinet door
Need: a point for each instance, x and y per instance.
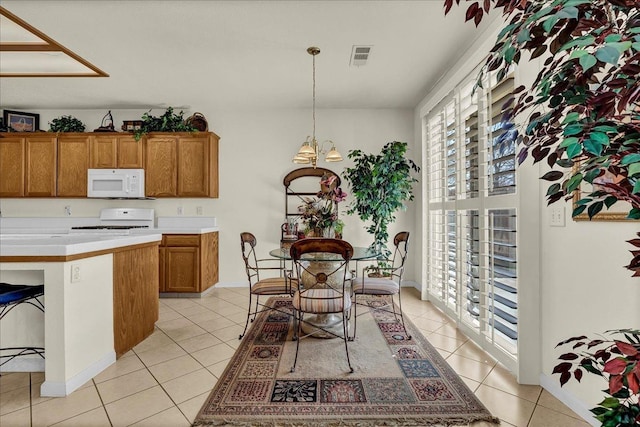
(12, 167)
(129, 153)
(209, 257)
(103, 152)
(40, 178)
(182, 269)
(116, 151)
(73, 162)
(161, 280)
(161, 169)
(193, 166)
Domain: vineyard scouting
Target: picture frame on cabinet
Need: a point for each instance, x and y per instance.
(20, 121)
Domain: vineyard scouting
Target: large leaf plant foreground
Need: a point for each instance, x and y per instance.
(582, 118)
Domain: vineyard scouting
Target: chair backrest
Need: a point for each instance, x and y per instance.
(320, 270)
(401, 243)
(248, 246)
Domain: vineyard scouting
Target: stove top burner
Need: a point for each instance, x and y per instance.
(108, 227)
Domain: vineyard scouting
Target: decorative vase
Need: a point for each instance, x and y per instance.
(329, 232)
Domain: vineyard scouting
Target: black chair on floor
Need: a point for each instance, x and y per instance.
(385, 286)
(279, 281)
(322, 291)
(12, 296)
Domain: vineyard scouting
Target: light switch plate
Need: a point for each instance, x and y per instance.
(557, 216)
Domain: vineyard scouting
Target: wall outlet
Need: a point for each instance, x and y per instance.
(180, 210)
(199, 210)
(67, 210)
(75, 273)
(557, 216)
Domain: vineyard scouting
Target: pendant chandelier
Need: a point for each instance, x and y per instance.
(310, 149)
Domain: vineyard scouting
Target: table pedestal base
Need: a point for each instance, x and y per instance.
(330, 322)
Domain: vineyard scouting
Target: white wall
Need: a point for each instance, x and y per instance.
(256, 148)
(583, 288)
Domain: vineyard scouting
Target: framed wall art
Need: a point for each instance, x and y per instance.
(617, 212)
(19, 121)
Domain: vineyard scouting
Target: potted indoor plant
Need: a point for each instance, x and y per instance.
(167, 122)
(66, 124)
(380, 184)
(584, 121)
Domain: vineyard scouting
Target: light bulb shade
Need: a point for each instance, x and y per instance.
(307, 150)
(301, 160)
(333, 155)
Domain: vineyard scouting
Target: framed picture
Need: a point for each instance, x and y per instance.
(20, 121)
(617, 212)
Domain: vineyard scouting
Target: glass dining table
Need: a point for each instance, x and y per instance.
(314, 325)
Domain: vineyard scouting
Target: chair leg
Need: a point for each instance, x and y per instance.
(346, 339)
(298, 333)
(355, 318)
(246, 324)
(401, 313)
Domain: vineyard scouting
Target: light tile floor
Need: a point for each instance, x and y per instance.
(165, 379)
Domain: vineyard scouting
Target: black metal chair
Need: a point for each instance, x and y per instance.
(321, 291)
(387, 285)
(12, 296)
(279, 281)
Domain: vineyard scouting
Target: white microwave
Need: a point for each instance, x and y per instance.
(115, 183)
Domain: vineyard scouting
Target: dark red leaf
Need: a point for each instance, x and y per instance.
(615, 366)
(487, 5)
(634, 384)
(471, 11)
(478, 18)
(577, 374)
(626, 349)
(538, 51)
(564, 377)
(447, 6)
(552, 176)
(572, 339)
(562, 367)
(568, 356)
(615, 384)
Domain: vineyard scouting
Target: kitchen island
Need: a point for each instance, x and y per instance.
(101, 299)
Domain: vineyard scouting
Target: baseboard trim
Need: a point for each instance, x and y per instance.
(576, 405)
(61, 389)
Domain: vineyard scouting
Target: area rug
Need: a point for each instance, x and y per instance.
(397, 382)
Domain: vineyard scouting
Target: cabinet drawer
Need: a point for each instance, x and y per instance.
(181, 240)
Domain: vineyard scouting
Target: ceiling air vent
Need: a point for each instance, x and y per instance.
(360, 55)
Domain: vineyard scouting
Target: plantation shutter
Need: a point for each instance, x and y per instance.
(502, 144)
(472, 218)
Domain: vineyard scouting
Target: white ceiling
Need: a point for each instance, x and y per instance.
(242, 54)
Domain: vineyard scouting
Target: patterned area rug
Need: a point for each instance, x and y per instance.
(397, 382)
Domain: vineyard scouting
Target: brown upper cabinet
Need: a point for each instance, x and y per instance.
(181, 165)
(73, 162)
(12, 167)
(28, 165)
(43, 164)
(110, 151)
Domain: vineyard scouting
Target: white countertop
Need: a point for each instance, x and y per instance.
(53, 236)
(52, 244)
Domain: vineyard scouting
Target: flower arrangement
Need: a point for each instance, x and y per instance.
(320, 213)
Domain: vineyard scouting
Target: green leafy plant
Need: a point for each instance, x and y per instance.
(584, 106)
(583, 118)
(618, 363)
(167, 122)
(381, 184)
(66, 124)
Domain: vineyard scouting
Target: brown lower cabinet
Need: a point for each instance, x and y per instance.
(188, 262)
(135, 299)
